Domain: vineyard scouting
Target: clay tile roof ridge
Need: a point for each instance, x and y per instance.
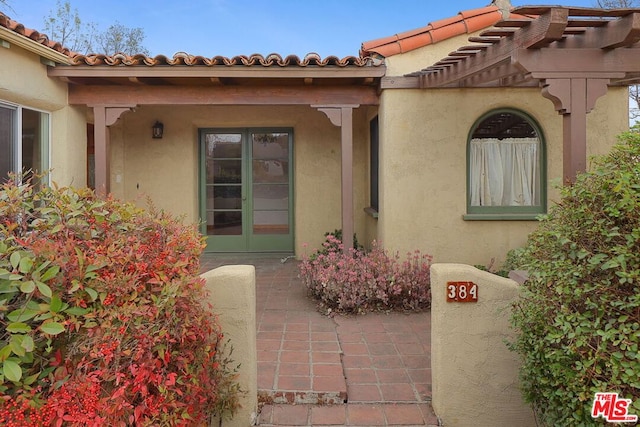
(183, 58)
(467, 21)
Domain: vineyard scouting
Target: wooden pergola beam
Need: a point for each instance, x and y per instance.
(594, 60)
(620, 33)
(542, 31)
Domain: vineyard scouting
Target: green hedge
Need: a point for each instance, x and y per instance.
(579, 315)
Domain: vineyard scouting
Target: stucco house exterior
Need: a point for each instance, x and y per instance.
(448, 138)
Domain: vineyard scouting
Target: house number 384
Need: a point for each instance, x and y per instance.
(462, 292)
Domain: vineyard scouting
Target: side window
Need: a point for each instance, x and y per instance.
(505, 167)
(24, 140)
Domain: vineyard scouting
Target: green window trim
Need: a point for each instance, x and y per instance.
(508, 213)
(372, 212)
(501, 217)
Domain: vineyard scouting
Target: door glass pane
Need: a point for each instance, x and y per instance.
(224, 223)
(269, 171)
(270, 145)
(7, 137)
(224, 145)
(224, 197)
(270, 222)
(223, 169)
(269, 196)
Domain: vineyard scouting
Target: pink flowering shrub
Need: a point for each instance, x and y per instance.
(359, 281)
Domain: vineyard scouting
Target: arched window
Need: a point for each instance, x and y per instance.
(506, 167)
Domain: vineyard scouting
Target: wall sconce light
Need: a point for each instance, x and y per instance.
(158, 130)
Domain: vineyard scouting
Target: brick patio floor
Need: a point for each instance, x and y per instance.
(314, 370)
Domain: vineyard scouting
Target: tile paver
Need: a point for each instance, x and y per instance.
(292, 415)
(378, 363)
(366, 415)
(403, 414)
(361, 376)
(328, 415)
(364, 393)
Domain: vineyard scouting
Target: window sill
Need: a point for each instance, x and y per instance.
(502, 217)
(372, 212)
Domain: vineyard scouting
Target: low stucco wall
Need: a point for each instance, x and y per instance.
(475, 375)
(232, 292)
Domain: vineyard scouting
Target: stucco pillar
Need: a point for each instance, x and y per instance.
(574, 99)
(475, 378)
(232, 293)
(104, 116)
(342, 116)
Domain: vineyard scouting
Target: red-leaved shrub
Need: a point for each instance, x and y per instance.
(101, 314)
(359, 281)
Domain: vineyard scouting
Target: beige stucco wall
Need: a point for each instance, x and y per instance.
(423, 167)
(31, 88)
(166, 170)
(232, 293)
(474, 374)
(423, 141)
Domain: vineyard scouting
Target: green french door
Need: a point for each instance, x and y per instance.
(246, 189)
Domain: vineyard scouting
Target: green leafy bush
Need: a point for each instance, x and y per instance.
(358, 281)
(101, 315)
(579, 314)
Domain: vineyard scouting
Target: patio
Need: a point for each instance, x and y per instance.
(341, 370)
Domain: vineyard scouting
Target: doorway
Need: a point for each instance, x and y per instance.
(246, 189)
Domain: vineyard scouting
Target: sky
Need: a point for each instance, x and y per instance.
(244, 27)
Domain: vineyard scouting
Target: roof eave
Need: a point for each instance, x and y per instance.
(32, 46)
(184, 71)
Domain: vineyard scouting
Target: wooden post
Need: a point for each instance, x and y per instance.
(342, 116)
(574, 98)
(104, 116)
(101, 141)
(574, 132)
(347, 177)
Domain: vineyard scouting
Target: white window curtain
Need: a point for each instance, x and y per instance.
(505, 172)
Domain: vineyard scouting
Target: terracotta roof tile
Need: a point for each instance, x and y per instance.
(448, 31)
(34, 35)
(464, 22)
(407, 34)
(182, 58)
(411, 43)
